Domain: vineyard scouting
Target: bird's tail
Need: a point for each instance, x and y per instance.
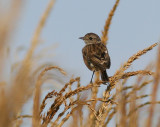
(104, 76)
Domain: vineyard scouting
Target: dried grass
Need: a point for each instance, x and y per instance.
(104, 37)
(36, 107)
(120, 100)
(39, 29)
(155, 89)
(11, 101)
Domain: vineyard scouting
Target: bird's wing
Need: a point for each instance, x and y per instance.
(96, 55)
(100, 57)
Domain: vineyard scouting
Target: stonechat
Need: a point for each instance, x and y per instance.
(95, 55)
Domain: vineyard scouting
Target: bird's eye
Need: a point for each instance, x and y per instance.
(90, 38)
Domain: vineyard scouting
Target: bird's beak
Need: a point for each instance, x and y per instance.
(81, 38)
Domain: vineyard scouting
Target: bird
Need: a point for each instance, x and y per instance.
(96, 56)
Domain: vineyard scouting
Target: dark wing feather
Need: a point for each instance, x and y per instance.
(96, 54)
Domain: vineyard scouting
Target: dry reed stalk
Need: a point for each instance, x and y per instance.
(70, 83)
(69, 90)
(123, 88)
(78, 85)
(71, 112)
(3, 84)
(119, 73)
(104, 110)
(23, 116)
(20, 89)
(124, 82)
(8, 21)
(74, 117)
(130, 113)
(121, 107)
(143, 84)
(154, 89)
(142, 105)
(4, 113)
(18, 123)
(53, 76)
(62, 113)
(80, 109)
(102, 100)
(126, 96)
(137, 55)
(104, 37)
(133, 119)
(138, 88)
(110, 116)
(127, 101)
(93, 96)
(39, 29)
(104, 114)
(138, 97)
(158, 124)
(67, 117)
(95, 89)
(92, 109)
(72, 104)
(55, 106)
(127, 87)
(26, 65)
(59, 94)
(101, 118)
(36, 105)
(134, 73)
(49, 95)
(77, 121)
(81, 117)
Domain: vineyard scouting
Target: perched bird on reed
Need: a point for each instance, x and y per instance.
(95, 55)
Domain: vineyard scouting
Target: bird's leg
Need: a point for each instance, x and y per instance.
(92, 77)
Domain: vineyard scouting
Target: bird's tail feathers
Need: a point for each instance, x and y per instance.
(104, 76)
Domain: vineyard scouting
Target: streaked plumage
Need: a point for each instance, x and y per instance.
(95, 55)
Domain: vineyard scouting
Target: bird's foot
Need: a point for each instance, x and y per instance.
(106, 83)
(91, 82)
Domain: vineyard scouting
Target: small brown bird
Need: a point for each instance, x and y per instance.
(95, 55)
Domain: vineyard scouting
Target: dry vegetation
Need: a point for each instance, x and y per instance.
(120, 102)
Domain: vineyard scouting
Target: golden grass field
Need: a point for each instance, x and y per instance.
(123, 106)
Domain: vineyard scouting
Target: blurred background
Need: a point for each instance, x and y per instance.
(135, 26)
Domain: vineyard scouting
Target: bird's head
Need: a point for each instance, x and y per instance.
(91, 38)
